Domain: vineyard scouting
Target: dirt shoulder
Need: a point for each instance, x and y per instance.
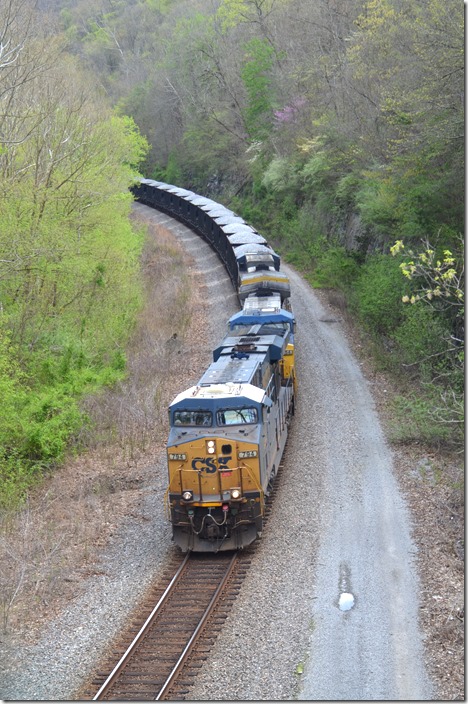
(50, 547)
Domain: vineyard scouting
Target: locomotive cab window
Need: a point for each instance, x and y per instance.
(272, 328)
(236, 416)
(193, 418)
(242, 329)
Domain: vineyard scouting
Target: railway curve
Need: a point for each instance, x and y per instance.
(338, 526)
(353, 600)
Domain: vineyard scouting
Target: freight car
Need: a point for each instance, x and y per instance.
(228, 433)
(225, 232)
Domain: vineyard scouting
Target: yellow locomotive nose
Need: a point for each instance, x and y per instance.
(213, 470)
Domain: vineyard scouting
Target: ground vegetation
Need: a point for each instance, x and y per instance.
(54, 544)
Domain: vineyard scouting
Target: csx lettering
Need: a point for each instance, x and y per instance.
(222, 461)
(204, 464)
(208, 464)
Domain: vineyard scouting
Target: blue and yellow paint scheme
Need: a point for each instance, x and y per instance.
(267, 311)
(263, 280)
(227, 436)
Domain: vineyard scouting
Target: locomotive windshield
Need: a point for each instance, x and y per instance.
(189, 418)
(267, 328)
(236, 416)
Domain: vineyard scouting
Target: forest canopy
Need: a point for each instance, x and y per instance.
(336, 127)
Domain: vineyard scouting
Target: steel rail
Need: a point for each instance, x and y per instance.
(196, 633)
(118, 668)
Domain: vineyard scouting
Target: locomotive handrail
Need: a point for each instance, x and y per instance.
(220, 470)
(254, 481)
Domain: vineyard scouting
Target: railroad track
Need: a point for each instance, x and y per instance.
(165, 648)
(174, 638)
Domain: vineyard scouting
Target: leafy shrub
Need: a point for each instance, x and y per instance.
(377, 205)
(335, 269)
(377, 294)
(420, 338)
(255, 75)
(316, 171)
(16, 477)
(280, 175)
(427, 417)
(346, 189)
(49, 422)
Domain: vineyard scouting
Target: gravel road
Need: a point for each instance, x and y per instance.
(365, 642)
(329, 608)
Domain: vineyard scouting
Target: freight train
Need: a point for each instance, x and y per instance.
(228, 432)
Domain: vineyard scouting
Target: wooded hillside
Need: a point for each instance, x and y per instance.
(337, 128)
(69, 261)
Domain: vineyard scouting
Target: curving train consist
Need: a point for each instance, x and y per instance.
(227, 433)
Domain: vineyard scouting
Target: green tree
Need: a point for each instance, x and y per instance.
(256, 75)
(438, 280)
(69, 260)
(432, 335)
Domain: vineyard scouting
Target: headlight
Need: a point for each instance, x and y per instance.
(187, 495)
(247, 453)
(211, 447)
(236, 494)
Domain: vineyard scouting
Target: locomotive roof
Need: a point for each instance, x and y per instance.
(256, 258)
(226, 369)
(270, 303)
(235, 394)
(273, 281)
(261, 316)
(237, 359)
(252, 348)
